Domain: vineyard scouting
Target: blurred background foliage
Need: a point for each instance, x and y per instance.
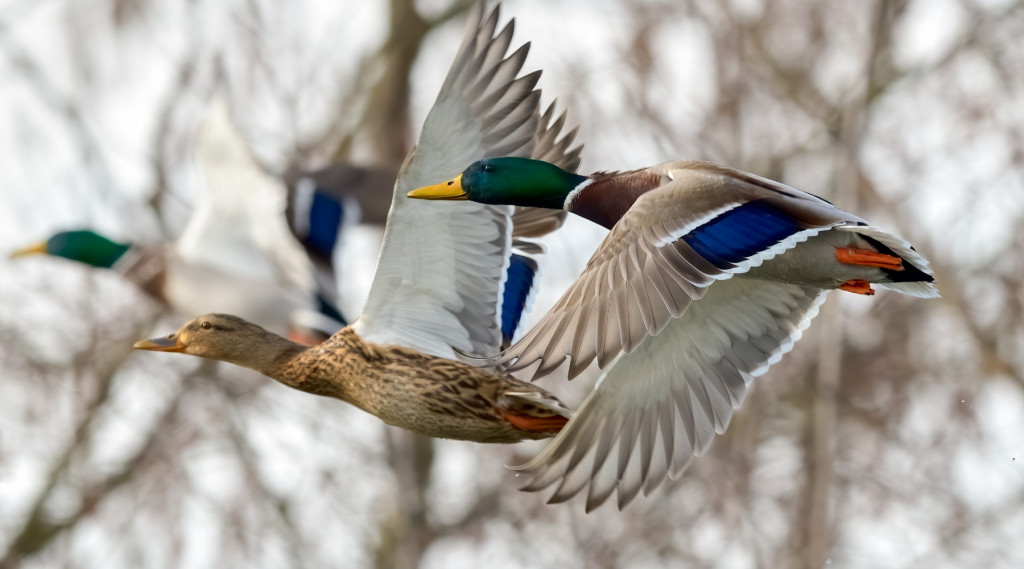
(893, 436)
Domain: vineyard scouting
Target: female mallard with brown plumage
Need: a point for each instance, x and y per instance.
(434, 396)
(440, 279)
(708, 276)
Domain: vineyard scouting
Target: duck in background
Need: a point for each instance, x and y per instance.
(235, 255)
(707, 277)
(323, 205)
(440, 280)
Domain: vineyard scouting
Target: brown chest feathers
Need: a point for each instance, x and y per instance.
(147, 268)
(610, 195)
(433, 396)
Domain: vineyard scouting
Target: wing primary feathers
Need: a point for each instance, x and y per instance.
(651, 415)
(438, 287)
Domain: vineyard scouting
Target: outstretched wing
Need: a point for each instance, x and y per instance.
(236, 254)
(442, 267)
(238, 225)
(661, 405)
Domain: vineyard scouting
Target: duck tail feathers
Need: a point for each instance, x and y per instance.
(916, 278)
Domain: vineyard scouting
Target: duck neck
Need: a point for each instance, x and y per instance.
(331, 369)
(278, 358)
(605, 197)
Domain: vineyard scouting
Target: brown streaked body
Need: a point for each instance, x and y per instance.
(429, 395)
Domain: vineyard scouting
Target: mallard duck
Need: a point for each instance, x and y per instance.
(707, 277)
(407, 388)
(325, 203)
(235, 254)
(440, 277)
(340, 187)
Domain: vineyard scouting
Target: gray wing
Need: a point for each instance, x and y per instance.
(441, 268)
(661, 405)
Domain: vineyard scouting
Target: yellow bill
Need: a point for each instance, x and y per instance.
(165, 344)
(37, 249)
(450, 190)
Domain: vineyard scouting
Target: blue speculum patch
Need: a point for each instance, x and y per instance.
(521, 273)
(325, 217)
(741, 233)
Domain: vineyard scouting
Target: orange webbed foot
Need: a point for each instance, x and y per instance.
(857, 286)
(866, 257)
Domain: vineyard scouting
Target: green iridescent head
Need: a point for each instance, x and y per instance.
(83, 246)
(507, 181)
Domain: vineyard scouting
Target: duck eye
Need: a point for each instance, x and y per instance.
(487, 168)
(206, 325)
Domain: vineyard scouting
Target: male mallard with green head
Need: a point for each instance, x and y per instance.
(236, 254)
(708, 276)
(732, 218)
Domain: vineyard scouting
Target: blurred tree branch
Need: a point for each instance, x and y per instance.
(386, 115)
(39, 529)
(88, 145)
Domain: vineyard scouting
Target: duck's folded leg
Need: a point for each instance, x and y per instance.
(852, 256)
(534, 412)
(857, 286)
(552, 424)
